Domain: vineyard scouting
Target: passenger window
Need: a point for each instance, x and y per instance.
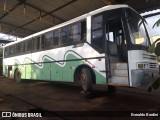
(48, 39)
(22, 45)
(97, 33)
(18, 48)
(34, 41)
(75, 34)
(6, 51)
(56, 37)
(42, 41)
(38, 43)
(11, 50)
(83, 30)
(64, 35)
(97, 22)
(29, 45)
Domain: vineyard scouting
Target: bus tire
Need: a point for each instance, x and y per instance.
(111, 89)
(86, 80)
(17, 76)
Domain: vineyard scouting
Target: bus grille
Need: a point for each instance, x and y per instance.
(152, 65)
(151, 57)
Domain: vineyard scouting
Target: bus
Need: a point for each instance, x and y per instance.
(107, 46)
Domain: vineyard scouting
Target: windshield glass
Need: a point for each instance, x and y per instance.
(137, 29)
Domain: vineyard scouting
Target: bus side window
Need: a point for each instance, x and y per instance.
(18, 48)
(75, 33)
(83, 30)
(29, 45)
(42, 42)
(22, 45)
(97, 33)
(64, 35)
(48, 39)
(11, 50)
(38, 43)
(56, 37)
(34, 44)
(6, 51)
(10, 47)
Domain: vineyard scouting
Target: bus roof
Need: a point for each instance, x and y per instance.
(105, 8)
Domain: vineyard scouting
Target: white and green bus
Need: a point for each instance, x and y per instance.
(106, 46)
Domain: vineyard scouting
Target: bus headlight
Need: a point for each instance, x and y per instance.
(142, 65)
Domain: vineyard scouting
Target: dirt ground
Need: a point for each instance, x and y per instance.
(65, 101)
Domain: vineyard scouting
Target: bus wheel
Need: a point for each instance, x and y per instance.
(86, 80)
(111, 89)
(17, 76)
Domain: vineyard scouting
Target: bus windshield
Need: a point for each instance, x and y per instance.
(137, 29)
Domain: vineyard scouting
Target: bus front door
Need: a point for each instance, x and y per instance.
(116, 52)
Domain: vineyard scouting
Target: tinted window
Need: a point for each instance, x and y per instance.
(42, 41)
(75, 34)
(83, 30)
(97, 32)
(6, 51)
(22, 45)
(97, 22)
(29, 45)
(56, 37)
(11, 50)
(17, 48)
(64, 34)
(48, 39)
(36, 43)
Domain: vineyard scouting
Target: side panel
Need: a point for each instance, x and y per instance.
(21, 68)
(28, 71)
(45, 74)
(67, 72)
(58, 64)
(56, 72)
(36, 73)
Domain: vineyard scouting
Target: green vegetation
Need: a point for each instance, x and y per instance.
(155, 47)
(154, 85)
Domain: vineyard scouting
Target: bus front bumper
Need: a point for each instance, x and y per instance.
(143, 78)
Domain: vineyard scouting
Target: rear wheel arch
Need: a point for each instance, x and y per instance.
(78, 71)
(17, 75)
